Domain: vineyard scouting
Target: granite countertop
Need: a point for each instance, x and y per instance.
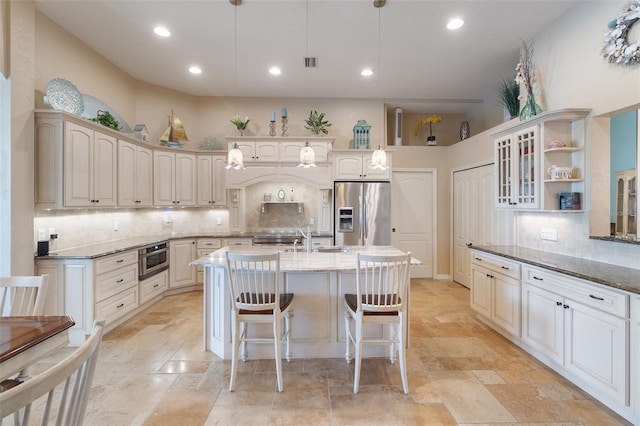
(303, 261)
(598, 272)
(105, 248)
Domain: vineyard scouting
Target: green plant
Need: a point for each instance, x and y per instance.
(509, 97)
(316, 123)
(106, 119)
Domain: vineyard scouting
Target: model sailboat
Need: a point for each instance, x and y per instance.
(175, 135)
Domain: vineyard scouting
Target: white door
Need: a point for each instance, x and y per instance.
(413, 217)
(465, 222)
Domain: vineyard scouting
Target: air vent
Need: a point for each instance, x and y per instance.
(310, 62)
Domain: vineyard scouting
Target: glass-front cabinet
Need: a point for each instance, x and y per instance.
(540, 162)
(627, 204)
(516, 163)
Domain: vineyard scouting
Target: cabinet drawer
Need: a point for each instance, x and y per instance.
(115, 261)
(153, 286)
(590, 294)
(214, 243)
(240, 242)
(114, 282)
(115, 306)
(497, 264)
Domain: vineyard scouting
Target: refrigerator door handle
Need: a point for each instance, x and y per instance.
(363, 221)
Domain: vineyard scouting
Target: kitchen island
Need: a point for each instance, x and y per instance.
(319, 281)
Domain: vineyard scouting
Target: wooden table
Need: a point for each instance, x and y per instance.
(26, 340)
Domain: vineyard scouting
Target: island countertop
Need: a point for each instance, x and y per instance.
(302, 261)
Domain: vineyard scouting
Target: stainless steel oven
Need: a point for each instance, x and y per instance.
(153, 259)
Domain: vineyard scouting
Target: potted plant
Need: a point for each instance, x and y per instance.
(107, 119)
(316, 123)
(510, 97)
(427, 122)
(241, 125)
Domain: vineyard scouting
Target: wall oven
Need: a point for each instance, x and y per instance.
(153, 259)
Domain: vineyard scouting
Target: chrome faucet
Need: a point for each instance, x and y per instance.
(307, 239)
(295, 245)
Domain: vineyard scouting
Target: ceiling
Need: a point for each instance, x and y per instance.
(418, 64)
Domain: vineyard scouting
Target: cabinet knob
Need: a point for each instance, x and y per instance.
(537, 278)
(596, 297)
(505, 268)
(565, 306)
(469, 244)
(558, 303)
(120, 306)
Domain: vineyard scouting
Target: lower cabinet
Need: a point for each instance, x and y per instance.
(182, 253)
(204, 246)
(495, 291)
(635, 354)
(153, 286)
(105, 288)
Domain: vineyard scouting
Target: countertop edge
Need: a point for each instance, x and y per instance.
(503, 251)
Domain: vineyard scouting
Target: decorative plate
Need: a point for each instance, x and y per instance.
(64, 96)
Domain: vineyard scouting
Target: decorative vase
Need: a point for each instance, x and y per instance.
(530, 108)
(465, 130)
(241, 132)
(431, 141)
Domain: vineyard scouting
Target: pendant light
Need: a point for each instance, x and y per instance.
(379, 159)
(307, 156)
(234, 158)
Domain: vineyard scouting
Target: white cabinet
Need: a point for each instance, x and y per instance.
(524, 153)
(495, 290)
(174, 179)
(75, 165)
(212, 189)
(579, 326)
(238, 242)
(280, 149)
(89, 289)
(89, 167)
(153, 286)
(135, 175)
(182, 253)
(635, 354)
(204, 246)
(516, 160)
(626, 204)
(352, 165)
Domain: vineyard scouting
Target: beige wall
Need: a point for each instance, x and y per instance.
(570, 74)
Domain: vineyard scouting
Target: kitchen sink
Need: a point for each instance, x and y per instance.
(333, 249)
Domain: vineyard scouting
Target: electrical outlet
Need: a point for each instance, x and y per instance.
(116, 225)
(549, 234)
(218, 221)
(312, 220)
(42, 234)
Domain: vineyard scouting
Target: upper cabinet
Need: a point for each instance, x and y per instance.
(212, 189)
(280, 149)
(135, 175)
(174, 179)
(356, 165)
(75, 165)
(540, 162)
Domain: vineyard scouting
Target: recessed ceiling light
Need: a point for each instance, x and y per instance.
(275, 71)
(162, 31)
(455, 23)
(367, 72)
(195, 70)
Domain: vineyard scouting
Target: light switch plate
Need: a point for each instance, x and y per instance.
(549, 234)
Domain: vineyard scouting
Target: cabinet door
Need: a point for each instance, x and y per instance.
(505, 309)
(348, 167)
(504, 170)
(635, 353)
(163, 178)
(375, 174)
(127, 174)
(78, 159)
(596, 349)
(205, 180)
(219, 180)
(542, 321)
(185, 192)
(182, 252)
(526, 186)
(481, 290)
(266, 151)
(104, 172)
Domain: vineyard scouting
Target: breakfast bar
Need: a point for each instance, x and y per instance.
(319, 281)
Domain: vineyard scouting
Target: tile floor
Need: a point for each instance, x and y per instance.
(152, 371)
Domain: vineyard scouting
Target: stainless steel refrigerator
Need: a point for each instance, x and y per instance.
(362, 213)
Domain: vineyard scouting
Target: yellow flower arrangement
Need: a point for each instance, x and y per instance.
(427, 121)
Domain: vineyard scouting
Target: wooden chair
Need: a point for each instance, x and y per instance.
(254, 281)
(71, 378)
(381, 297)
(23, 296)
